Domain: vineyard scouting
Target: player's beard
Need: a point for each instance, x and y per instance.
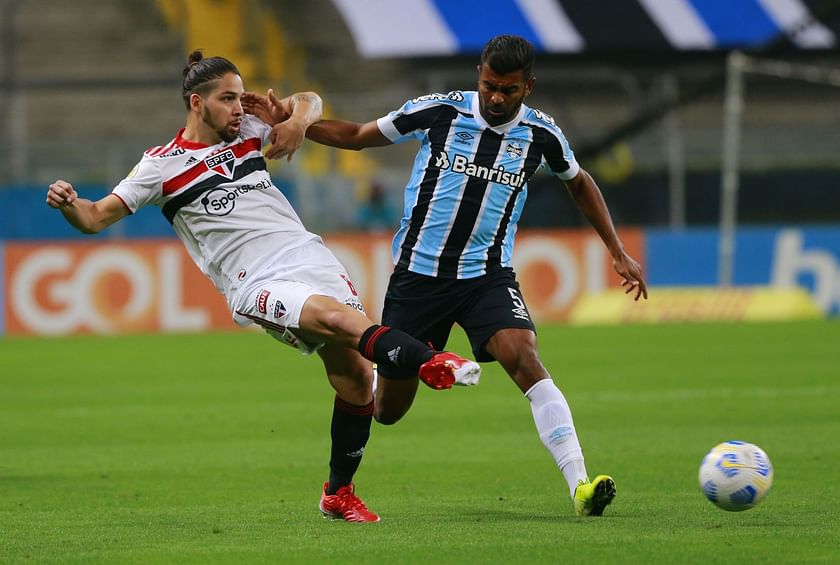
(503, 118)
(225, 133)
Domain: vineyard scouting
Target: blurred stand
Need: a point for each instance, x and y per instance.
(377, 213)
(83, 97)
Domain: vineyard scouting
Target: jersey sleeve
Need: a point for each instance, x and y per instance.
(416, 116)
(255, 127)
(558, 157)
(142, 186)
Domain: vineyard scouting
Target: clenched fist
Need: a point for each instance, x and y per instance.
(61, 194)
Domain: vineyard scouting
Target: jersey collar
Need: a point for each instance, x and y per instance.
(501, 129)
(186, 143)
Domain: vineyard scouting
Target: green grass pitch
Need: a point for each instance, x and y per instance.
(213, 448)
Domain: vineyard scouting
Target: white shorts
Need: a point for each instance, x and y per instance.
(274, 297)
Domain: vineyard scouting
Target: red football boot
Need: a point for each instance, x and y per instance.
(445, 369)
(345, 505)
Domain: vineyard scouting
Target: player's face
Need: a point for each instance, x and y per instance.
(222, 111)
(500, 96)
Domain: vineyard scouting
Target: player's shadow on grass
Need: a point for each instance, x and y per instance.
(503, 514)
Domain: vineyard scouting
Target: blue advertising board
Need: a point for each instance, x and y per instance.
(783, 256)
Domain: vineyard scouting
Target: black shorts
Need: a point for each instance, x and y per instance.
(427, 307)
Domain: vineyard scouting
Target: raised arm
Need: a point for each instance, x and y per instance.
(590, 202)
(273, 110)
(85, 215)
(347, 135)
(335, 133)
(267, 107)
(292, 116)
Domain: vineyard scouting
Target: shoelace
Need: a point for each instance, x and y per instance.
(349, 501)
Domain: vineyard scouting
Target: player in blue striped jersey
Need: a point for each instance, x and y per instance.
(452, 251)
(469, 181)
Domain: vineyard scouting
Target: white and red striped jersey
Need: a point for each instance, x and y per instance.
(221, 202)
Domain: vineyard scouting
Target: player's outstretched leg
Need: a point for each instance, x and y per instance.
(400, 356)
(345, 505)
(591, 497)
(445, 369)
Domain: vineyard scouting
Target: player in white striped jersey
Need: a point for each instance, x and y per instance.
(211, 183)
(453, 249)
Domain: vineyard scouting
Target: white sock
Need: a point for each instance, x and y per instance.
(557, 431)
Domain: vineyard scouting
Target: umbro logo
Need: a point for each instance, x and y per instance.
(463, 137)
(520, 313)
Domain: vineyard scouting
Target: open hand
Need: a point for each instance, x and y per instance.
(632, 276)
(267, 108)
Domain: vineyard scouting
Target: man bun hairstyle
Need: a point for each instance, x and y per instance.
(509, 53)
(200, 74)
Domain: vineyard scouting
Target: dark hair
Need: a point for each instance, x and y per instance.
(509, 53)
(200, 73)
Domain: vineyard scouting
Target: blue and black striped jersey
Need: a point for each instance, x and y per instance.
(469, 182)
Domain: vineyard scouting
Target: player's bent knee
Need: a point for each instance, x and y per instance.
(525, 368)
(392, 406)
(524, 359)
(530, 360)
(388, 417)
(333, 321)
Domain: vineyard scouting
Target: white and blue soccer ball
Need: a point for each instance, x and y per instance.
(736, 475)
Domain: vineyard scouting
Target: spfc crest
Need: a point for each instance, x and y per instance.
(222, 163)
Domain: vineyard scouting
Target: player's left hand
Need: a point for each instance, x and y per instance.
(631, 275)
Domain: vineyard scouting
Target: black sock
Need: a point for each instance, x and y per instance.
(397, 354)
(350, 431)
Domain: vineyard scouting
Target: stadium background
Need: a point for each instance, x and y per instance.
(640, 96)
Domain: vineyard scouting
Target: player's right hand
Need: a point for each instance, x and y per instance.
(61, 194)
(286, 138)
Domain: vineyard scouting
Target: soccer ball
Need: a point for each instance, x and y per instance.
(736, 475)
